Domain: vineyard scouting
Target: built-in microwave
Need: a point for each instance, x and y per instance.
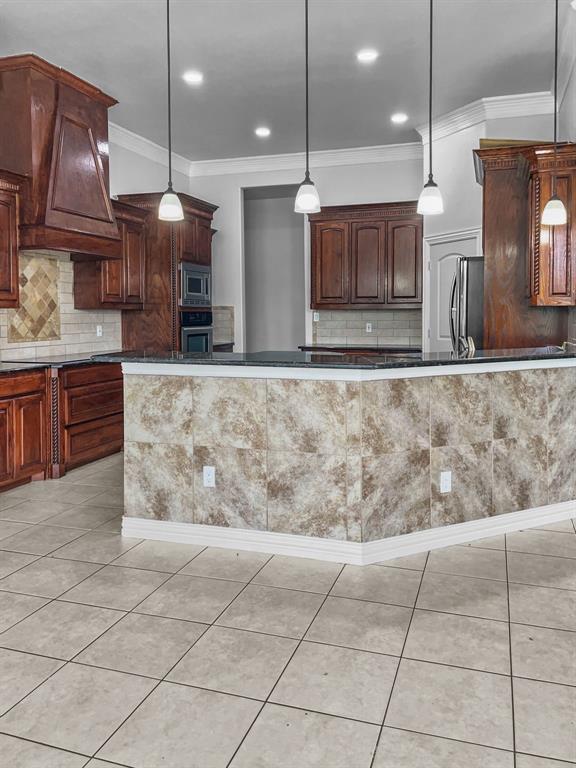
(195, 285)
(196, 331)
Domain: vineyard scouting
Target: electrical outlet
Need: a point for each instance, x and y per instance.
(209, 474)
(445, 482)
(368, 327)
(99, 331)
(316, 317)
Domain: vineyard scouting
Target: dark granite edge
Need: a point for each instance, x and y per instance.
(357, 362)
(8, 367)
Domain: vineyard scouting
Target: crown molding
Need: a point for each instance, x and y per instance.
(384, 153)
(126, 139)
(493, 108)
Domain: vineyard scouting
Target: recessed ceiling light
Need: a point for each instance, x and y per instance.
(367, 55)
(262, 131)
(193, 77)
(399, 118)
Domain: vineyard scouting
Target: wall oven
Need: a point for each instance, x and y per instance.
(196, 331)
(195, 285)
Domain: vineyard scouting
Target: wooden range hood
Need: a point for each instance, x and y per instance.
(54, 133)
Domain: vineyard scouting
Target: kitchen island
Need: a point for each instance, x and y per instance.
(341, 457)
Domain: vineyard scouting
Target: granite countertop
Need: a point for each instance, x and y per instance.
(6, 367)
(336, 360)
(61, 361)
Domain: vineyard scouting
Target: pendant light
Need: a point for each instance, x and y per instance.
(307, 198)
(170, 208)
(430, 202)
(554, 213)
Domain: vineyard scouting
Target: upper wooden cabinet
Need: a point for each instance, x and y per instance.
(115, 283)
(9, 239)
(54, 131)
(552, 257)
(366, 257)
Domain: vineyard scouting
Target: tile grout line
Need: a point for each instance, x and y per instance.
(285, 667)
(399, 663)
(510, 652)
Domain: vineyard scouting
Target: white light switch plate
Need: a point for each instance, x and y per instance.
(368, 327)
(99, 330)
(316, 317)
(209, 474)
(445, 482)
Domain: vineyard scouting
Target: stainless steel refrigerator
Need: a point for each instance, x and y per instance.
(467, 305)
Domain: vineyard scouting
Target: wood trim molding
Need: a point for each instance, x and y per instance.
(351, 552)
(370, 211)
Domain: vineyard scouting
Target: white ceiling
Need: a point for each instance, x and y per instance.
(251, 54)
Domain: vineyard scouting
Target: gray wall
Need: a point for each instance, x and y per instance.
(274, 270)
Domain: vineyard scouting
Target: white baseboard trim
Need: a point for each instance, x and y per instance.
(351, 552)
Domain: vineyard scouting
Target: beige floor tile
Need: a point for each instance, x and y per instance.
(542, 543)
(25, 754)
(113, 497)
(337, 681)
(218, 563)
(544, 654)
(8, 500)
(541, 570)
(112, 526)
(160, 556)
(402, 749)
(298, 573)
(13, 561)
(274, 611)
(9, 529)
(35, 511)
(454, 703)
(545, 717)
(362, 625)
(102, 764)
(562, 526)
(234, 661)
(142, 645)
(20, 673)
(285, 738)
(53, 490)
(181, 726)
(529, 761)
(493, 542)
(462, 641)
(14, 608)
(60, 630)
(78, 708)
(41, 539)
(96, 547)
(468, 561)
(483, 598)
(48, 577)
(111, 587)
(412, 562)
(85, 516)
(191, 598)
(379, 584)
(543, 607)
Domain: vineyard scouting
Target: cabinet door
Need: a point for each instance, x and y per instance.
(134, 243)
(112, 277)
(204, 242)
(6, 441)
(8, 249)
(330, 263)
(404, 262)
(188, 239)
(30, 434)
(367, 257)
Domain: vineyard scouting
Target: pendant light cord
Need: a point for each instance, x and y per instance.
(555, 98)
(169, 96)
(307, 91)
(430, 175)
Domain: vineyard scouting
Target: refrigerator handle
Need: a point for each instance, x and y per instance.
(454, 309)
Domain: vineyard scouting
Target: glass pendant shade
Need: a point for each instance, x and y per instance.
(554, 213)
(307, 198)
(430, 202)
(170, 208)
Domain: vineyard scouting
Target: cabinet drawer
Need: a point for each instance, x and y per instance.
(93, 401)
(15, 384)
(91, 374)
(92, 440)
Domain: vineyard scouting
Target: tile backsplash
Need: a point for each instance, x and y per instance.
(46, 321)
(401, 327)
(223, 322)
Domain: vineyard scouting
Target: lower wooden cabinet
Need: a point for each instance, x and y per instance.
(23, 427)
(366, 257)
(88, 406)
